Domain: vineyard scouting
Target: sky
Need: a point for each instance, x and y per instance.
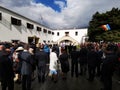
(60, 14)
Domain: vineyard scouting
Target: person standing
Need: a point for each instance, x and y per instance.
(92, 58)
(74, 62)
(6, 70)
(53, 64)
(83, 59)
(17, 64)
(47, 50)
(57, 49)
(41, 60)
(108, 66)
(32, 52)
(64, 64)
(26, 69)
(100, 55)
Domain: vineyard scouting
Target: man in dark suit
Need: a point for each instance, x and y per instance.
(74, 62)
(83, 59)
(6, 70)
(41, 61)
(92, 58)
(108, 66)
(26, 69)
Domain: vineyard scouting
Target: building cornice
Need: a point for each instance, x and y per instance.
(6, 9)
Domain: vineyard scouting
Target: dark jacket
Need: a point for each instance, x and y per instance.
(64, 62)
(27, 62)
(6, 69)
(108, 64)
(74, 56)
(41, 58)
(92, 58)
(83, 55)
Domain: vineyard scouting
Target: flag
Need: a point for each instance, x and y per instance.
(106, 27)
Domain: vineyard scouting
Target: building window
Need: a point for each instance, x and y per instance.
(15, 41)
(48, 41)
(30, 26)
(49, 32)
(38, 28)
(15, 21)
(45, 30)
(66, 33)
(57, 33)
(76, 33)
(44, 41)
(0, 16)
(52, 33)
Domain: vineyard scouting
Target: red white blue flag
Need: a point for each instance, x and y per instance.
(106, 27)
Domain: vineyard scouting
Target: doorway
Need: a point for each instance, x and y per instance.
(33, 40)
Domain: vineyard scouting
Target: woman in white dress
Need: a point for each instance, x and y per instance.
(53, 64)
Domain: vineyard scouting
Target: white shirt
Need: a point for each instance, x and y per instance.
(53, 61)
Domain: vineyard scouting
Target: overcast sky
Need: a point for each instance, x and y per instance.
(60, 13)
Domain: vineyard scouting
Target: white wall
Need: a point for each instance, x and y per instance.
(10, 32)
(81, 34)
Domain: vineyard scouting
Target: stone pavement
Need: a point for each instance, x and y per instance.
(74, 83)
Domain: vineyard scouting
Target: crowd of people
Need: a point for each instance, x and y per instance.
(20, 61)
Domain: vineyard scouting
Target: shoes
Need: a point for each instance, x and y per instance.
(18, 81)
(80, 73)
(55, 81)
(119, 82)
(64, 78)
(98, 75)
(101, 88)
(33, 78)
(76, 76)
(90, 79)
(39, 80)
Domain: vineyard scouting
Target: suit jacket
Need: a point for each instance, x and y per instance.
(27, 62)
(41, 58)
(92, 58)
(74, 56)
(6, 69)
(108, 65)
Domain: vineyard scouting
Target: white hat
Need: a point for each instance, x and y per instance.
(19, 48)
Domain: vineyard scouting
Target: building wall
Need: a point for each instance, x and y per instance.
(10, 32)
(80, 37)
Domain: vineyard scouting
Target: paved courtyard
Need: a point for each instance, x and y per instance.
(74, 83)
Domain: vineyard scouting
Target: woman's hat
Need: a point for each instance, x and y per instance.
(19, 49)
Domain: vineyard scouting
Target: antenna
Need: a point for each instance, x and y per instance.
(41, 19)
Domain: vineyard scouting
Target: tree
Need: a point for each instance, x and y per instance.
(96, 33)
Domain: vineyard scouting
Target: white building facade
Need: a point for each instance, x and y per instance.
(17, 27)
(14, 26)
(70, 36)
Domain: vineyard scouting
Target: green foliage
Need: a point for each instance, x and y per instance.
(96, 33)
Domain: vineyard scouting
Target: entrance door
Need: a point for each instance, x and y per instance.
(34, 40)
(30, 40)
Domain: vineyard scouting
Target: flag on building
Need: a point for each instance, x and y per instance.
(106, 27)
